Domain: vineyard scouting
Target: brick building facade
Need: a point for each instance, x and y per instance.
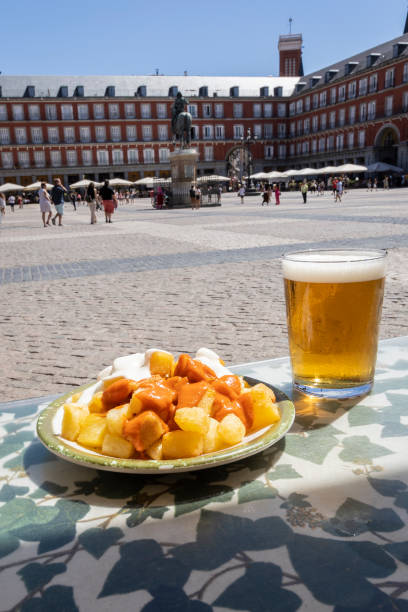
(352, 111)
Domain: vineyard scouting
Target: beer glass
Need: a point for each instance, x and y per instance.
(333, 307)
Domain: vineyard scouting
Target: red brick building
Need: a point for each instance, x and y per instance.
(105, 126)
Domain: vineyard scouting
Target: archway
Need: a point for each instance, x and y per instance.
(386, 145)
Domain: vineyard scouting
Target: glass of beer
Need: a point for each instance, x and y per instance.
(333, 307)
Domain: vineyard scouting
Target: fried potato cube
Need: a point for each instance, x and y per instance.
(115, 419)
(162, 363)
(144, 429)
(135, 405)
(118, 393)
(92, 431)
(212, 439)
(109, 381)
(116, 446)
(72, 421)
(192, 419)
(155, 451)
(96, 405)
(231, 429)
(179, 444)
(207, 400)
(265, 410)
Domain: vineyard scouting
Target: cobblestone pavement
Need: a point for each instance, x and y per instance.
(75, 297)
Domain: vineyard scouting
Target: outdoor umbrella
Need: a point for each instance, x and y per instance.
(83, 183)
(383, 167)
(260, 175)
(291, 172)
(118, 182)
(216, 178)
(277, 175)
(152, 180)
(10, 187)
(36, 186)
(327, 170)
(351, 168)
(306, 172)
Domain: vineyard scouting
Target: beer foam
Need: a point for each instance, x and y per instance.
(334, 266)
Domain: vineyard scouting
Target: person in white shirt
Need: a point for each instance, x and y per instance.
(241, 193)
(45, 204)
(11, 201)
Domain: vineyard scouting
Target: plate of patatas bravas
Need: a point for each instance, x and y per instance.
(152, 413)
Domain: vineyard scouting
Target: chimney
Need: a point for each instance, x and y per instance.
(290, 55)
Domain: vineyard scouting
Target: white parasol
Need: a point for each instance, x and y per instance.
(347, 168)
(119, 182)
(37, 185)
(215, 178)
(11, 187)
(83, 183)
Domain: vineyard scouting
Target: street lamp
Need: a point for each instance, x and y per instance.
(246, 143)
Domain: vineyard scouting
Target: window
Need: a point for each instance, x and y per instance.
(238, 132)
(18, 112)
(299, 106)
(315, 100)
(114, 111)
(23, 159)
(219, 110)
(268, 130)
(51, 112)
(117, 157)
(148, 156)
(98, 111)
(192, 109)
(36, 135)
(83, 111)
(292, 109)
(282, 113)
(362, 87)
(207, 110)
(257, 110)
(339, 142)
(352, 89)
(307, 103)
(371, 110)
(195, 132)
(53, 136)
(21, 135)
(299, 148)
(282, 151)
(164, 156)
(86, 157)
(405, 73)
(7, 159)
(332, 119)
(3, 112)
(130, 133)
(133, 156)
(161, 111)
(299, 127)
(39, 159)
(34, 112)
(102, 157)
(342, 117)
(69, 135)
(314, 146)
(208, 153)
(267, 110)
(361, 138)
(258, 130)
(219, 132)
(306, 126)
(330, 143)
(67, 111)
(352, 114)
(305, 147)
(71, 157)
(323, 98)
(373, 83)
(269, 152)
(207, 132)
(323, 121)
(4, 136)
(388, 105)
(100, 133)
(363, 112)
(281, 130)
(292, 150)
(333, 95)
(405, 102)
(342, 93)
(292, 128)
(163, 133)
(115, 133)
(84, 133)
(389, 78)
(237, 110)
(315, 123)
(350, 140)
(147, 133)
(55, 157)
(145, 111)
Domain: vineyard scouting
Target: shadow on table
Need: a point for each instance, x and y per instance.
(315, 412)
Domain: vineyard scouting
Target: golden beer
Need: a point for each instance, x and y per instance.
(333, 306)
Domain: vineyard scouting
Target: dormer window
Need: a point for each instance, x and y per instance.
(30, 91)
(399, 48)
(203, 91)
(264, 92)
(278, 92)
(299, 86)
(330, 74)
(79, 91)
(110, 91)
(349, 67)
(372, 58)
(234, 92)
(63, 91)
(142, 91)
(314, 80)
(173, 91)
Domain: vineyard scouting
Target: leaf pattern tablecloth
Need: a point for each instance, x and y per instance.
(317, 522)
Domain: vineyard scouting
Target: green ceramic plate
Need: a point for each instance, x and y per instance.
(49, 428)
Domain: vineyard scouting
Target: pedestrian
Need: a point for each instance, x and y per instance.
(369, 185)
(197, 198)
(375, 185)
(57, 196)
(19, 201)
(209, 194)
(241, 193)
(277, 195)
(265, 198)
(79, 198)
(108, 200)
(2, 206)
(334, 188)
(339, 190)
(90, 197)
(45, 204)
(304, 189)
(73, 199)
(219, 192)
(192, 197)
(160, 198)
(385, 182)
(11, 202)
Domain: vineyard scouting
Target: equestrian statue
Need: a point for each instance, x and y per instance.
(181, 121)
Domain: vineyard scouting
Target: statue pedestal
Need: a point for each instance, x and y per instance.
(183, 164)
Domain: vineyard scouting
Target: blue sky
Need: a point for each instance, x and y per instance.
(213, 37)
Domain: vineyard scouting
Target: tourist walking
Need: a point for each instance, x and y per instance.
(197, 198)
(108, 201)
(277, 195)
(241, 193)
(45, 205)
(219, 192)
(192, 197)
(265, 197)
(369, 185)
(19, 201)
(90, 197)
(57, 196)
(11, 202)
(339, 191)
(2, 206)
(304, 188)
(72, 197)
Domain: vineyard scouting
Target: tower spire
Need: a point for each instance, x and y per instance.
(406, 25)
